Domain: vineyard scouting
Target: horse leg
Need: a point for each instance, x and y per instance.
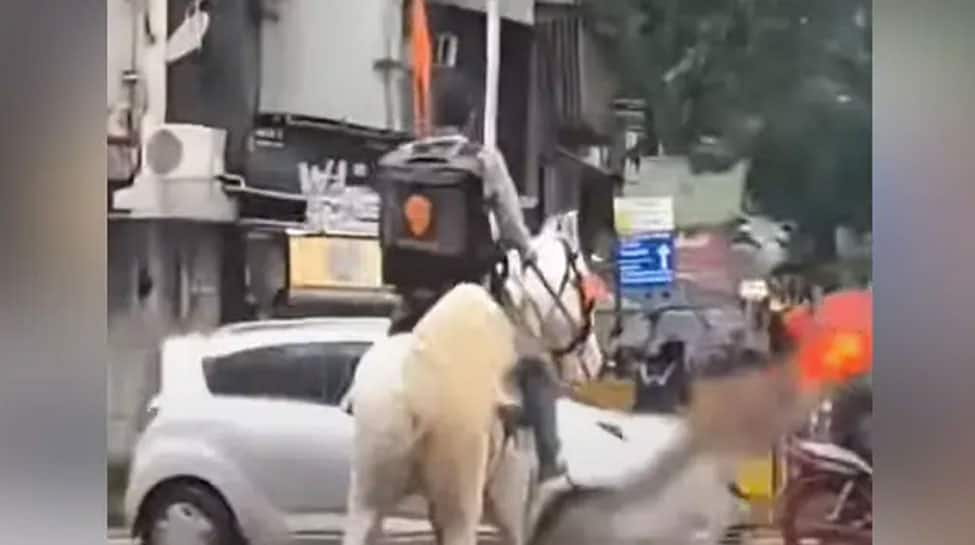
(364, 518)
(452, 527)
(454, 477)
(508, 526)
(509, 490)
(376, 487)
(362, 526)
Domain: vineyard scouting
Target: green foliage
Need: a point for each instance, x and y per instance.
(786, 83)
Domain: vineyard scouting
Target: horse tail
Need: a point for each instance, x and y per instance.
(387, 431)
(462, 353)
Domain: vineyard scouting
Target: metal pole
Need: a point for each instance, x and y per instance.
(491, 77)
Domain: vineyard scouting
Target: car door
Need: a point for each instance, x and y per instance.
(293, 442)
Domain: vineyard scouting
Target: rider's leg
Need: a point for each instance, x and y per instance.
(540, 390)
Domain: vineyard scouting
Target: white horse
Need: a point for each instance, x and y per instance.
(426, 403)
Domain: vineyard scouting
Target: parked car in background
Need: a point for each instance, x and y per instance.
(246, 438)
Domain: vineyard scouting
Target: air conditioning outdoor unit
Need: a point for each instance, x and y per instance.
(181, 164)
(184, 151)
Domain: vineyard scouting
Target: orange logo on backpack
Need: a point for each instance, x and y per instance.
(418, 212)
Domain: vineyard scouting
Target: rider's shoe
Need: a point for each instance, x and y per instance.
(553, 470)
(554, 484)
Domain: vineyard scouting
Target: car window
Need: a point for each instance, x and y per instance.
(316, 372)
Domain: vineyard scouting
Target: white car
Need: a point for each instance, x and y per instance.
(246, 439)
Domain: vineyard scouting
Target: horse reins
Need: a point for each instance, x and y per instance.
(585, 305)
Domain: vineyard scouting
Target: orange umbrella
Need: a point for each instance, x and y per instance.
(835, 340)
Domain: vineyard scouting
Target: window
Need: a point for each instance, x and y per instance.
(445, 51)
(316, 372)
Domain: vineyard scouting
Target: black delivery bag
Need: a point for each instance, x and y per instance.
(433, 224)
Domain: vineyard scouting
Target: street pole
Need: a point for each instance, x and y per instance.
(491, 77)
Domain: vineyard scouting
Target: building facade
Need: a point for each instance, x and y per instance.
(243, 135)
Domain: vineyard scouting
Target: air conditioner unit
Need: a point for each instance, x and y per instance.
(184, 151)
(179, 174)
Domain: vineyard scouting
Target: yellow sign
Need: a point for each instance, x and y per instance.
(755, 477)
(619, 395)
(638, 215)
(334, 262)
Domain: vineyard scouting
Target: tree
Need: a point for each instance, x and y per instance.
(812, 160)
(784, 83)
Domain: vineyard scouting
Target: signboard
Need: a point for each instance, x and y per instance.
(328, 166)
(645, 262)
(342, 210)
(282, 155)
(635, 215)
(334, 262)
(753, 290)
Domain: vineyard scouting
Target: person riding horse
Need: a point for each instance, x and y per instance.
(421, 278)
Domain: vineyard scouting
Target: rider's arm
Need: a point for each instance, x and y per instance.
(502, 197)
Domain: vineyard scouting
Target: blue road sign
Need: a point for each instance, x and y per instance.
(646, 261)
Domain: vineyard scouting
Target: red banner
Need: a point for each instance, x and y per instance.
(705, 259)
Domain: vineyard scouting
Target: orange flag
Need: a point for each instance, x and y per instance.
(422, 53)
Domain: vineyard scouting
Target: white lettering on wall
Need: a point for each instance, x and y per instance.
(318, 181)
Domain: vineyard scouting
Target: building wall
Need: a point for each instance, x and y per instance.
(123, 104)
(319, 57)
(599, 86)
(467, 75)
(217, 86)
(164, 278)
(119, 48)
(520, 11)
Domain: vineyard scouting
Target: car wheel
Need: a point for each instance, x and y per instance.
(188, 514)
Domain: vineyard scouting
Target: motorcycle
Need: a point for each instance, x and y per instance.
(828, 496)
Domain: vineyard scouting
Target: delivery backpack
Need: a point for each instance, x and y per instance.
(434, 226)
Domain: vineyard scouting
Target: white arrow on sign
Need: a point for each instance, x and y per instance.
(664, 253)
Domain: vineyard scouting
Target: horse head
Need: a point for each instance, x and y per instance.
(552, 300)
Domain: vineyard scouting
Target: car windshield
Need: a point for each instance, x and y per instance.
(319, 372)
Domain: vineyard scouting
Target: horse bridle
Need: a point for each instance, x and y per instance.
(586, 305)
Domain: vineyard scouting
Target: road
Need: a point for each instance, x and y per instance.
(398, 531)
(118, 538)
(322, 540)
(336, 539)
